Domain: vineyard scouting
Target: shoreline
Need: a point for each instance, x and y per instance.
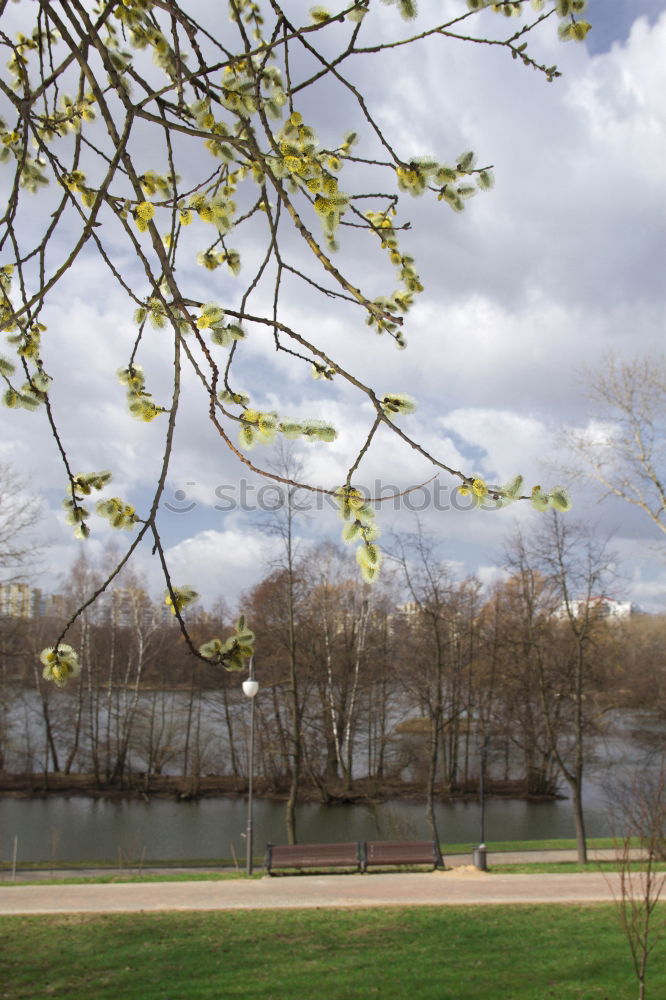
(139, 786)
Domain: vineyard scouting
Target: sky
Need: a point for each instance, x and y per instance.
(536, 280)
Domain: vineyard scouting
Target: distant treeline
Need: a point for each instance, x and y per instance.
(362, 690)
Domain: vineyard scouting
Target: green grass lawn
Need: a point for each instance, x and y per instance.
(567, 867)
(593, 843)
(424, 953)
(193, 876)
(145, 865)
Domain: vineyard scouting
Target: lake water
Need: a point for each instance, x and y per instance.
(76, 828)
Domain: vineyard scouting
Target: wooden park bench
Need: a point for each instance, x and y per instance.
(359, 855)
(314, 856)
(380, 853)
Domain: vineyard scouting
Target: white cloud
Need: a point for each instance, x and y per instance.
(219, 562)
(490, 575)
(508, 443)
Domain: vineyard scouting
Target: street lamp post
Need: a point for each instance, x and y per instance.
(480, 852)
(250, 688)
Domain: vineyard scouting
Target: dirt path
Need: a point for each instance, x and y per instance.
(455, 887)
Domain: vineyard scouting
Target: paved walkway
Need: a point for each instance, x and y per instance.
(460, 885)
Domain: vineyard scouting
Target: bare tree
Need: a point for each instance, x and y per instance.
(20, 511)
(19, 555)
(577, 566)
(138, 634)
(290, 567)
(437, 630)
(624, 447)
(639, 813)
(518, 627)
(340, 611)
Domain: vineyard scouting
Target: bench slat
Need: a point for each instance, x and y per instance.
(402, 852)
(313, 856)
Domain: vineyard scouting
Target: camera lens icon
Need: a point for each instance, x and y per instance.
(180, 504)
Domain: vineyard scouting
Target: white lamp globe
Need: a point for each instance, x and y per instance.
(250, 688)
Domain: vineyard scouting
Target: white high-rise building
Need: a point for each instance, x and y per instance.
(601, 605)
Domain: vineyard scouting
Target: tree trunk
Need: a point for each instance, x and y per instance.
(435, 725)
(50, 740)
(235, 770)
(579, 818)
(295, 713)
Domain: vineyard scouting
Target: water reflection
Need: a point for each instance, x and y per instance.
(77, 828)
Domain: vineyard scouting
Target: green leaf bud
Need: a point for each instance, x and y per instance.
(41, 380)
(182, 597)
(538, 499)
(560, 500)
(27, 400)
(352, 531)
(369, 573)
(210, 314)
(239, 398)
(395, 404)
(326, 433)
(291, 429)
(319, 14)
(77, 514)
(465, 162)
(61, 664)
(321, 371)
(368, 555)
(513, 487)
(408, 9)
(212, 649)
(247, 437)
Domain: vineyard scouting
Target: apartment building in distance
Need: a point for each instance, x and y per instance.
(20, 600)
(602, 605)
(122, 607)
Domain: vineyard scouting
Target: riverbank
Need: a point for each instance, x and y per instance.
(500, 858)
(141, 786)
